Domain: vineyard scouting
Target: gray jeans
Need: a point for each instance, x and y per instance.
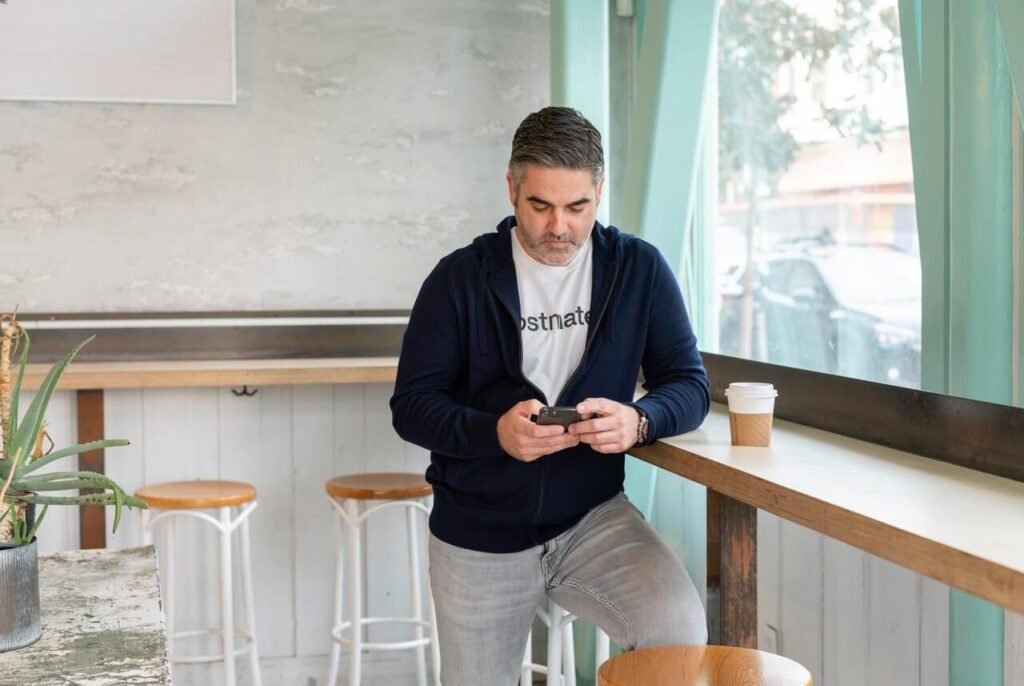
(610, 569)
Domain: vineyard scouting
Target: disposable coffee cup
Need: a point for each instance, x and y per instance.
(751, 408)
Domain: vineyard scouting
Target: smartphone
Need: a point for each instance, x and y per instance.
(558, 415)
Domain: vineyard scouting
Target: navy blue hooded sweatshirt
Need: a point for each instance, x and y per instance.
(461, 369)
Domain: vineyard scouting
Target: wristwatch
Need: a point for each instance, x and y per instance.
(641, 426)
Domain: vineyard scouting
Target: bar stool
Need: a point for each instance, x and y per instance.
(701, 666)
(561, 649)
(346, 493)
(234, 502)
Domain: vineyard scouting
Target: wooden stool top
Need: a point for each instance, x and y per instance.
(195, 495)
(701, 666)
(392, 486)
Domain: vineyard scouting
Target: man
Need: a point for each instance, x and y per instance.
(552, 309)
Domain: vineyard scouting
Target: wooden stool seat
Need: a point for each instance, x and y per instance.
(195, 495)
(701, 666)
(391, 486)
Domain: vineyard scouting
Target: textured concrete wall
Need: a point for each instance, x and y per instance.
(369, 139)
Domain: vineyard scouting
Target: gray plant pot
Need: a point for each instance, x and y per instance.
(19, 596)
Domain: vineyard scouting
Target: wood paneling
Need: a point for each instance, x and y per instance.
(90, 428)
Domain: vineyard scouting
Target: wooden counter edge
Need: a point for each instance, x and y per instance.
(82, 376)
(951, 566)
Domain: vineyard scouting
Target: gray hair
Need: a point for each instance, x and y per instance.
(556, 138)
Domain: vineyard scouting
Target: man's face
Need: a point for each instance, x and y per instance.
(555, 211)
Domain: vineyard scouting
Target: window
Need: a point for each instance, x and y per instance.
(816, 249)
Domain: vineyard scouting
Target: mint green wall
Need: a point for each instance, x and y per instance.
(1011, 23)
(579, 68)
(666, 185)
(665, 124)
(960, 95)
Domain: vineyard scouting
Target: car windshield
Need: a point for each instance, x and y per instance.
(871, 275)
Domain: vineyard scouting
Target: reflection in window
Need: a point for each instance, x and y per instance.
(816, 249)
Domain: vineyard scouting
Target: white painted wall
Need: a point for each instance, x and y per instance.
(368, 141)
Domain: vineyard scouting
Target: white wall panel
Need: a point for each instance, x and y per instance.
(769, 582)
(124, 418)
(256, 447)
(1013, 657)
(846, 616)
(801, 605)
(313, 431)
(874, 623)
(934, 623)
(894, 628)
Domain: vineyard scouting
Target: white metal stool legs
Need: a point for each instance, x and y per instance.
(349, 587)
(568, 652)
(554, 660)
(339, 590)
(167, 538)
(355, 594)
(601, 649)
(561, 659)
(227, 615)
(225, 525)
(248, 604)
(526, 673)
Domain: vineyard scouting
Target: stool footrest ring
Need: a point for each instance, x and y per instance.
(395, 645)
(246, 640)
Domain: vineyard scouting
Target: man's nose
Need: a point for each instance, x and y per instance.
(558, 222)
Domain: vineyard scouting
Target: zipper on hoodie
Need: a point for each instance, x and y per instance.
(512, 315)
(591, 335)
(543, 465)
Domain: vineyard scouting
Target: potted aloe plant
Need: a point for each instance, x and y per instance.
(23, 486)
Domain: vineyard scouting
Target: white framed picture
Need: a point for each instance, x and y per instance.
(139, 51)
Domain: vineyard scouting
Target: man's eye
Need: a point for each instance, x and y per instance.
(576, 209)
(539, 208)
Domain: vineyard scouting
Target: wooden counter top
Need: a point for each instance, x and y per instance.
(958, 526)
(161, 374)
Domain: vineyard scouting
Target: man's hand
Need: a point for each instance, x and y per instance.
(525, 440)
(612, 428)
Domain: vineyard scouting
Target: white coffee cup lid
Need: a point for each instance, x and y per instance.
(751, 389)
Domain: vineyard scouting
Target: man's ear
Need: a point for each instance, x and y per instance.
(600, 189)
(512, 190)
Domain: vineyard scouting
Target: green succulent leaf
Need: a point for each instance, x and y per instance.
(35, 525)
(73, 450)
(29, 428)
(86, 499)
(13, 425)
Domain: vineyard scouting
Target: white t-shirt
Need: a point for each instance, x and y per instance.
(554, 305)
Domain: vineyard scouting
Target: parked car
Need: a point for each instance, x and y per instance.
(850, 310)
